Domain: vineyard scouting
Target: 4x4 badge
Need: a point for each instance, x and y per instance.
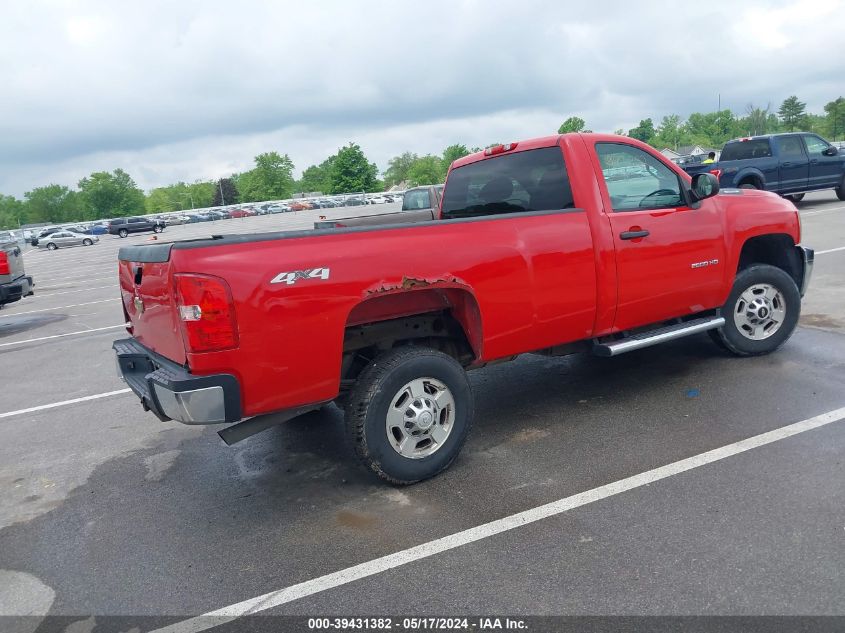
(293, 276)
(139, 304)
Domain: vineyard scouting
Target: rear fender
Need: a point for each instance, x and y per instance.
(419, 296)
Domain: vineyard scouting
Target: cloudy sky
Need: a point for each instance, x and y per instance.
(186, 90)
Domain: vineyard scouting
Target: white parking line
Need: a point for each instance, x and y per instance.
(69, 292)
(47, 338)
(63, 403)
(831, 250)
(72, 305)
(819, 211)
(521, 519)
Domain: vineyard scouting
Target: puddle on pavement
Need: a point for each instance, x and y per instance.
(821, 320)
(15, 324)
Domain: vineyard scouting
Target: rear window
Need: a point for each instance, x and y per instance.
(417, 199)
(535, 180)
(743, 150)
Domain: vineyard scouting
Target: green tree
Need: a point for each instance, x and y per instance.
(644, 131)
(351, 171)
(792, 112)
(52, 203)
(670, 133)
(427, 170)
(453, 153)
(225, 193)
(108, 195)
(572, 124)
(12, 212)
(316, 177)
(835, 118)
(757, 120)
(398, 167)
(270, 179)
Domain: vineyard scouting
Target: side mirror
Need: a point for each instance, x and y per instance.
(704, 185)
(830, 151)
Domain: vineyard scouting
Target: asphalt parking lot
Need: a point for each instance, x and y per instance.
(106, 511)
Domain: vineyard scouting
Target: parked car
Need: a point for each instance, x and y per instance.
(241, 213)
(125, 226)
(44, 232)
(300, 205)
(790, 164)
(538, 251)
(419, 205)
(63, 239)
(14, 282)
(171, 220)
(354, 201)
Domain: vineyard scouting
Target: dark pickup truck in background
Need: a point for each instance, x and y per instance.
(419, 204)
(14, 284)
(789, 164)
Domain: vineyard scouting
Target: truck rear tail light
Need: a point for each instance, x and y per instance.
(207, 313)
(339, 225)
(717, 173)
(4, 264)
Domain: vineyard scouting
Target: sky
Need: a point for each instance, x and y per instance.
(188, 90)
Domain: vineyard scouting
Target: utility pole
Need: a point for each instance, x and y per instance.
(222, 200)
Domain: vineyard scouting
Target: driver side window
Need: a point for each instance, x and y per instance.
(636, 180)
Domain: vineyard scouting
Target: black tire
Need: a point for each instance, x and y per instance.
(51, 246)
(748, 185)
(732, 338)
(840, 190)
(375, 392)
(157, 229)
(123, 232)
(794, 198)
(87, 242)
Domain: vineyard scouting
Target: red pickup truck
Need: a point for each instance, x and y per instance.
(574, 243)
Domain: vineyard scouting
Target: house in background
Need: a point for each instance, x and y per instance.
(688, 153)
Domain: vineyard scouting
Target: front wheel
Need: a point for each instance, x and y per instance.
(409, 414)
(840, 190)
(748, 185)
(51, 246)
(761, 312)
(157, 229)
(795, 198)
(87, 242)
(123, 232)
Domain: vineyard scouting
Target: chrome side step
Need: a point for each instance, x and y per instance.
(660, 335)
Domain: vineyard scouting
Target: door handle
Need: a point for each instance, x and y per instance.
(786, 164)
(814, 161)
(632, 235)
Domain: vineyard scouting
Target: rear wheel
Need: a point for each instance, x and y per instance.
(749, 185)
(761, 312)
(51, 246)
(840, 190)
(409, 414)
(123, 232)
(795, 198)
(87, 242)
(157, 229)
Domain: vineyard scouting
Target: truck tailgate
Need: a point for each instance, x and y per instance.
(146, 290)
